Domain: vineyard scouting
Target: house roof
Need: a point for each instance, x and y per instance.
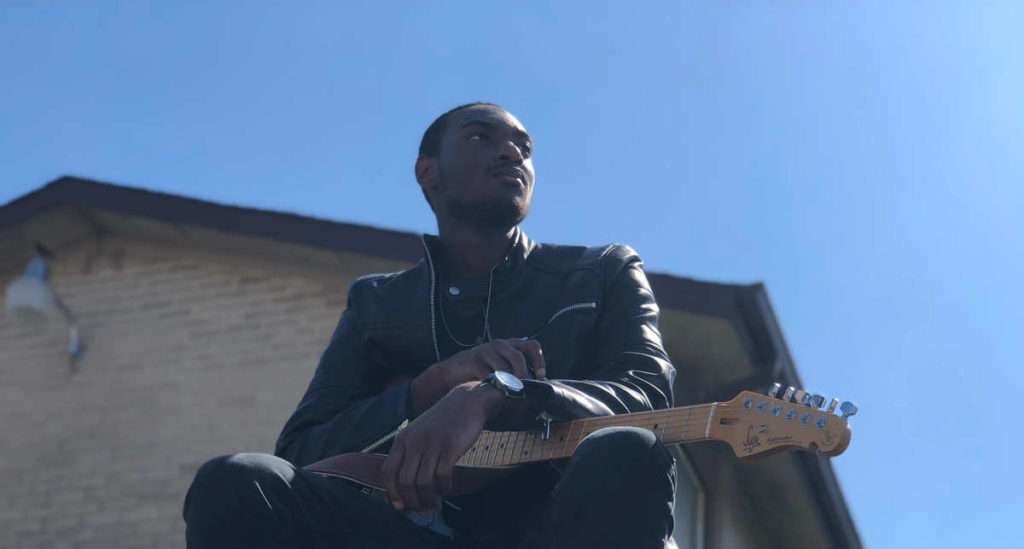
(716, 317)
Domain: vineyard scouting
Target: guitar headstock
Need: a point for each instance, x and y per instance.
(757, 425)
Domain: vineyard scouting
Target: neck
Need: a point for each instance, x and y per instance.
(670, 426)
(469, 252)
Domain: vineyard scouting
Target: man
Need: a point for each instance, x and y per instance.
(433, 346)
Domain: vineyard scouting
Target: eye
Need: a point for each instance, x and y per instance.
(526, 149)
(477, 136)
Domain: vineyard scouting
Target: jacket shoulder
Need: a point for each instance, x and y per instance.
(558, 258)
(367, 292)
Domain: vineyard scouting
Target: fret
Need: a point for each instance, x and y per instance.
(566, 440)
(546, 447)
(514, 441)
(499, 448)
(571, 440)
(526, 451)
(663, 423)
(657, 424)
(518, 447)
(496, 447)
(510, 451)
(559, 434)
(686, 423)
(488, 449)
(586, 427)
(471, 456)
(478, 456)
(481, 453)
(598, 423)
(530, 446)
(501, 455)
(510, 455)
(510, 448)
(637, 419)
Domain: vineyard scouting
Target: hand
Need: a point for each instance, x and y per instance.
(515, 356)
(418, 469)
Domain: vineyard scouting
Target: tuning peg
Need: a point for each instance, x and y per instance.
(832, 405)
(789, 392)
(805, 399)
(817, 401)
(774, 389)
(848, 409)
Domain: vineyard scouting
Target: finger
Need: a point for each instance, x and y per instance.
(535, 354)
(407, 481)
(425, 488)
(516, 362)
(389, 471)
(443, 475)
(488, 361)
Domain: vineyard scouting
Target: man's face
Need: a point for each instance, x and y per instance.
(485, 168)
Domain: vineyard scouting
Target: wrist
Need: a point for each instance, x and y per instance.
(419, 398)
(487, 397)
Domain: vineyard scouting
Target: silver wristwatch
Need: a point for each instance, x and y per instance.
(507, 383)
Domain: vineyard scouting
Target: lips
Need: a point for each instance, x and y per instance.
(510, 171)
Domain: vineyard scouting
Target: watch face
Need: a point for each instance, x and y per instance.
(510, 381)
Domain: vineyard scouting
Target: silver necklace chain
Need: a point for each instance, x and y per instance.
(487, 314)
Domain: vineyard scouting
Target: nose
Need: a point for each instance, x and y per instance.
(510, 152)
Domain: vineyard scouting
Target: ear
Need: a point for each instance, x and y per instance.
(426, 174)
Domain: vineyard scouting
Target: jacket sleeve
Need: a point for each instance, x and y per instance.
(340, 412)
(628, 370)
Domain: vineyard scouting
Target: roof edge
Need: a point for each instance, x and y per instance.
(171, 208)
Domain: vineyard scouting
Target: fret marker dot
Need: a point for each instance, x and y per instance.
(453, 290)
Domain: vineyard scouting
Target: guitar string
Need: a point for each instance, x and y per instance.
(519, 439)
(669, 424)
(501, 439)
(513, 443)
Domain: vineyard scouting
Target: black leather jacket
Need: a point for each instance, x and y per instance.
(591, 309)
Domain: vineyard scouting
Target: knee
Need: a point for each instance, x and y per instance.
(222, 481)
(225, 472)
(614, 446)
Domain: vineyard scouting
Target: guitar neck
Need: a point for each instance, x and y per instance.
(509, 448)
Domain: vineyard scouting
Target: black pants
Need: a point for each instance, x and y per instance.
(616, 491)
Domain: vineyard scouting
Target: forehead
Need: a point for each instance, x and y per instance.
(484, 115)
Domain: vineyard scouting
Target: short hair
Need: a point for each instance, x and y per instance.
(430, 145)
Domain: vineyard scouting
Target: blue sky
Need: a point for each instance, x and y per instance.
(863, 159)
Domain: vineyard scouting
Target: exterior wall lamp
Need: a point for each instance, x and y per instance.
(30, 295)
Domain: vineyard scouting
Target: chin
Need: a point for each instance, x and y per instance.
(499, 215)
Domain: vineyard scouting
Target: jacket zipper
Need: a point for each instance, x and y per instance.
(433, 335)
(380, 442)
(433, 299)
(567, 309)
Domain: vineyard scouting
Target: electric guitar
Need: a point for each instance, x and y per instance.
(751, 423)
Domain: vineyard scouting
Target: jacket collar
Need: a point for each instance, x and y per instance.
(517, 253)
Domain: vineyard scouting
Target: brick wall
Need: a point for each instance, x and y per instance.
(190, 354)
